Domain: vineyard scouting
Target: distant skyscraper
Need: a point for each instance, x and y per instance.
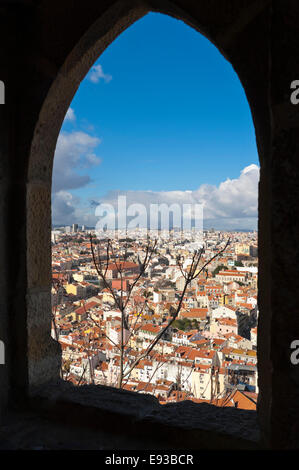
(67, 229)
(75, 228)
(83, 228)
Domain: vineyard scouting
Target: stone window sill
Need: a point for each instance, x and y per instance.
(143, 420)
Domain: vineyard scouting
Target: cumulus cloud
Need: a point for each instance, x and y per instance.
(97, 73)
(63, 205)
(68, 209)
(233, 198)
(231, 204)
(70, 115)
(74, 151)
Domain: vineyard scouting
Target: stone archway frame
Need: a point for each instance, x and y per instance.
(43, 352)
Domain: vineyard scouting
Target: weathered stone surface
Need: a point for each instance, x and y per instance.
(44, 353)
(38, 235)
(179, 425)
(54, 43)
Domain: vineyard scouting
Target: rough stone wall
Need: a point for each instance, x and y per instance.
(283, 171)
(131, 421)
(46, 49)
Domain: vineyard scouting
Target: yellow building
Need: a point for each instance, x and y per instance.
(242, 249)
(75, 289)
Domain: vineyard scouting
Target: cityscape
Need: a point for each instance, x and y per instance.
(137, 311)
(149, 238)
(163, 304)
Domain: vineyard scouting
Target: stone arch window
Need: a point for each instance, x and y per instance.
(81, 67)
(44, 365)
(260, 40)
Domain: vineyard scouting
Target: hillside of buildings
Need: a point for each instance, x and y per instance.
(208, 354)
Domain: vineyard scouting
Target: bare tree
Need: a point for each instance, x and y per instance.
(180, 383)
(56, 285)
(122, 299)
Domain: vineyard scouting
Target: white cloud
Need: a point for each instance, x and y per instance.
(67, 209)
(97, 73)
(232, 204)
(70, 115)
(74, 151)
(92, 160)
(63, 206)
(233, 198)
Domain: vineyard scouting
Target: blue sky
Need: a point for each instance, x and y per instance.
(161, 112)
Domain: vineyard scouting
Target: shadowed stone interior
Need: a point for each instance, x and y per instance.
(123, 418)
(46, 49)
